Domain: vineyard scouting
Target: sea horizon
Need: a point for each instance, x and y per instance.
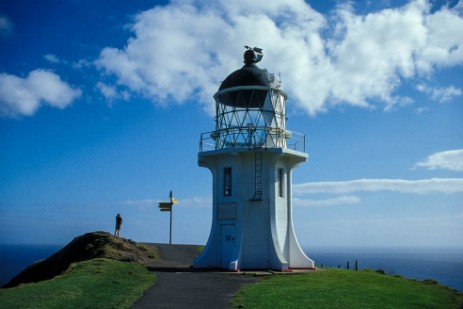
(443, 264)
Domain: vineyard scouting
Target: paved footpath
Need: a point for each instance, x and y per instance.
(178, 287)
(192, 290)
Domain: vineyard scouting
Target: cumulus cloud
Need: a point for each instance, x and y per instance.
(6, 26)
(23, 96)
(324, 60)
(450, 160)
(422, 186)
(342, 200)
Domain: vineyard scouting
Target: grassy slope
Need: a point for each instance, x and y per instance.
(335, 288)
(97, 283)
(85, 247)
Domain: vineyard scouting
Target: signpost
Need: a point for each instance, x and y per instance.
(167, 206)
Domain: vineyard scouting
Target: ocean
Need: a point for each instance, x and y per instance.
(14, 258)
(443, 265)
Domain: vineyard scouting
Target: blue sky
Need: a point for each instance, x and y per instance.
(102, 106)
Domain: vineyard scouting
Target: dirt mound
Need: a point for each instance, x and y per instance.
(85, 247)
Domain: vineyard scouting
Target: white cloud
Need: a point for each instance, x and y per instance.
(342, 200)
(443, 40)
(341, 58)
(422, 186)
(375, 50)
(24, 96)
(441, 94)
(52, 58)
(450, 160)
(141, 203)
(421, 110)
(111, 92)
(6, 26)
(194, 202)
(81, 63)
(446, 94)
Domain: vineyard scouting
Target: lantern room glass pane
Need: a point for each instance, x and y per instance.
(249, 117)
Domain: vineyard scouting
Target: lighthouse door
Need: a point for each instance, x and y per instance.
(227, 243)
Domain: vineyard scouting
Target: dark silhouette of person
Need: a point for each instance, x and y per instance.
(118, 225)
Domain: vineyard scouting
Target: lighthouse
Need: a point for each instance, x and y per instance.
(251, 156)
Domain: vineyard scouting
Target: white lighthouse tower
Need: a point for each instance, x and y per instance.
(251, 155)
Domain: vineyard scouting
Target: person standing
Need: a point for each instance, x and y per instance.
(118, 225)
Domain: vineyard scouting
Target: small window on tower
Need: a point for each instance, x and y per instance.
(281, 182)
(227, 181)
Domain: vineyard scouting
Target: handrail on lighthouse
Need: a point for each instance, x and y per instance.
(238, 138)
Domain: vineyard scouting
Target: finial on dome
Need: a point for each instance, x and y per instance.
(252, 55)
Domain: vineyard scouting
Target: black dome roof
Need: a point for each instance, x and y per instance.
(250, 75)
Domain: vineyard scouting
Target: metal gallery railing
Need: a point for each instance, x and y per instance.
(251, 137)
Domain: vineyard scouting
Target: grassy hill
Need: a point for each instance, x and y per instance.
(96, 283)
(95, 270)
(336, 288)
(86, 247)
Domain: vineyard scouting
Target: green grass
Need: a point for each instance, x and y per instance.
(150, 251)
(335, 288)
(97, 283)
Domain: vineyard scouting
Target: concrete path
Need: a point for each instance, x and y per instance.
(192, 290)
(177, 286)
